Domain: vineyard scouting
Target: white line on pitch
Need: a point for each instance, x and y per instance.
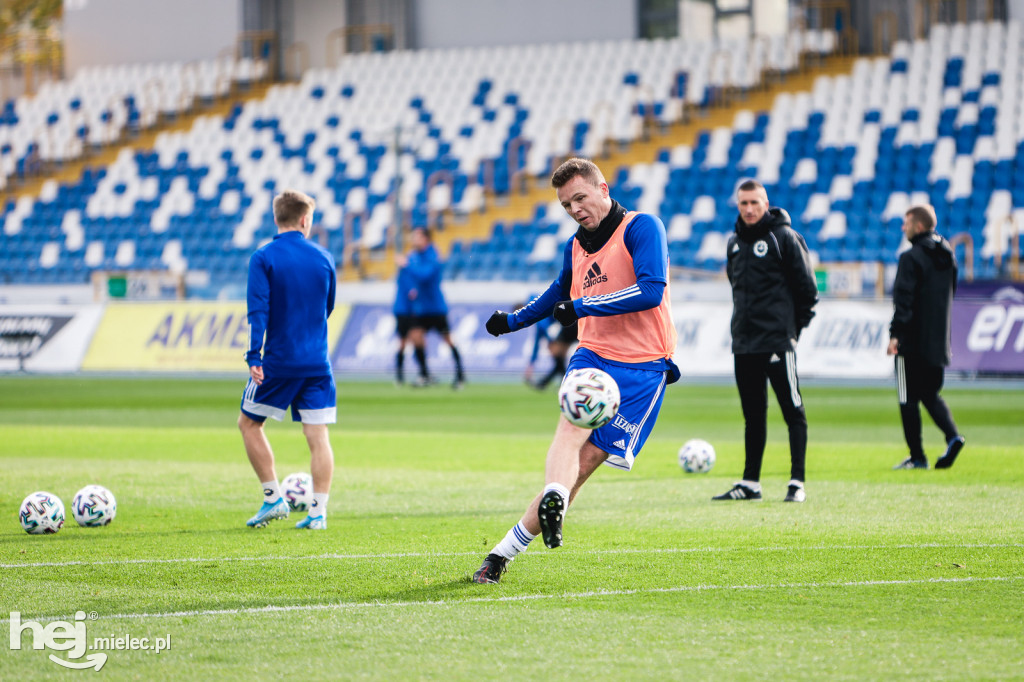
(441, 555)
(531, 597)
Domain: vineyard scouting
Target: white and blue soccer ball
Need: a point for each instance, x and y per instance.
(589, 397)
(298, 491)
(94, 506)
(696, 456)
(41, 513)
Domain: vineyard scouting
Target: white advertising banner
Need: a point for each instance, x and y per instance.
(846, 339)
(46, 338)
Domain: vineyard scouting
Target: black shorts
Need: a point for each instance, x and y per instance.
(403, 323)
(567, 335)
(428, 322)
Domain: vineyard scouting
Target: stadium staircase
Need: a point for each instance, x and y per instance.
(520, 204)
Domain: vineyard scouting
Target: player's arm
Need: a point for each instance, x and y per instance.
(902, 299)
(800, 274)
(332, 292)
(540, 307)
(257, 299)
(646, 242)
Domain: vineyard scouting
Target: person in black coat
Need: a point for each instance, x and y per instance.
(922, 297)
(773, 293)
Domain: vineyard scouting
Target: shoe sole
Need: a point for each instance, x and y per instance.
(550, 514)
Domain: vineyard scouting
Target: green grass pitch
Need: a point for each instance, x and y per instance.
(881, 574)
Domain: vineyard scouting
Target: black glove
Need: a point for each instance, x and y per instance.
(565, 313)
(497, 324)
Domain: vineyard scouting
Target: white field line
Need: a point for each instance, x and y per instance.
(527, 597)
(442, 555)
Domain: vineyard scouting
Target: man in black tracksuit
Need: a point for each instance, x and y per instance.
(922, 297)
(773, 296)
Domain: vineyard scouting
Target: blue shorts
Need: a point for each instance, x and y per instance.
(641, 392)
(313, 399)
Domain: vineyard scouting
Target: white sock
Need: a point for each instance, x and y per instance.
(271, 491)
(560, 489)
(753, 485)
(319, 507)
(516, 541)
(798, 484)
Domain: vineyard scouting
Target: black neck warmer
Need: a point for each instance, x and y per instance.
(593, 241)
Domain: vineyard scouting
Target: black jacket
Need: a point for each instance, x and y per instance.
(922, 298)
(773, 285)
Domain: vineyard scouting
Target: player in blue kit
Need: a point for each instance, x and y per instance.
(422, 265)
(614, 285)
(291, 291)
(402, 310)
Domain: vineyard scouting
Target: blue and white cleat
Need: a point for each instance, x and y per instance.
(313, 523)
(269, 512)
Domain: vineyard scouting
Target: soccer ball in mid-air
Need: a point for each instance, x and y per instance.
(696, 456)
(94, 506)
(589, 397)
(41, 513)
(298, 491)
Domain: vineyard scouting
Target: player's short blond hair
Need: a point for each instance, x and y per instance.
(290, 206)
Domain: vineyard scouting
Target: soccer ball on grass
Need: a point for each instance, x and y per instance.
(298, 491)
(589, 397)
(94, 506)
(41, 513)
(696, 456)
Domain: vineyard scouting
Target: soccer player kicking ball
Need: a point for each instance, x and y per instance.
(614, 280)
(291, 291)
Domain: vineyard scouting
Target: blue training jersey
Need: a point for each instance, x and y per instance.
(425, 268)
(291, 291)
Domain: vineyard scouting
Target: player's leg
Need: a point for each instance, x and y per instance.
(316, 407)
(519, 537)
(460, 375)
(617, 443)
(418, 339)
(941, 414)
(786, 385)
(751, 382)
(561, 471)
(321, 466)
(440, 324)
(908, 393)
(257, 448)
(931, 383)
(268, 399)
(400, 360)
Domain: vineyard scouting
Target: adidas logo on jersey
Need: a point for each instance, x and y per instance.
(774, 358)
(594, 276)
(620, 444)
